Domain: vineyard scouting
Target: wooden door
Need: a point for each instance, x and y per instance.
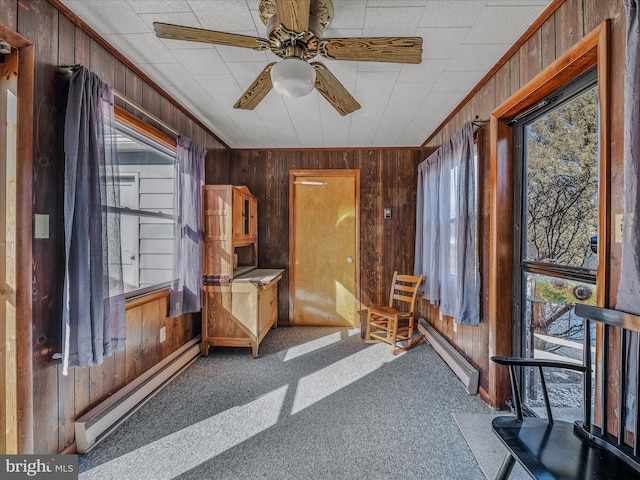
(8, 257)
(324, 247)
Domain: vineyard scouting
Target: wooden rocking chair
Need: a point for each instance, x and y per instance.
(395, 323)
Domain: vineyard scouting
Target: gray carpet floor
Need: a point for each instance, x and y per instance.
(317, 404)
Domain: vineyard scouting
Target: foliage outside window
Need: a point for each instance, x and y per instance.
(562, 184)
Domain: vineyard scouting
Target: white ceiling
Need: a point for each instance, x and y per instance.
(401, 104)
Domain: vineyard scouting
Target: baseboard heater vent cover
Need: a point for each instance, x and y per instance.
(466, 372)
(101, 420)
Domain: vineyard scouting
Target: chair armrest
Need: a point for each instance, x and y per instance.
(538, 362)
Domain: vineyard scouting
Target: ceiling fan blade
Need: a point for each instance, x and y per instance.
(257, 90)
(293, 14)
(335, 93)
(190, 34)
(373, 49)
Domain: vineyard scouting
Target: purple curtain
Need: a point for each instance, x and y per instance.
(187, 199)
(446, 249)
(93, 311)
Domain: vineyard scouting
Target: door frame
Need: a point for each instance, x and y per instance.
(588, 52)
(293, 174)
(24, 235)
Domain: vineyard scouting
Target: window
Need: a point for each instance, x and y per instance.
(146, 181)
(446, 228)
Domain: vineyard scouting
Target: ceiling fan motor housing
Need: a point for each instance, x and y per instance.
(286, 43)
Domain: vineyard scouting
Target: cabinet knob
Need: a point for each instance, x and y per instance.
(350, 259)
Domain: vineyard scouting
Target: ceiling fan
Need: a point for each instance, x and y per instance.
(294, 30)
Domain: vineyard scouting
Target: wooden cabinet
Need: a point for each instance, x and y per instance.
(240, 300)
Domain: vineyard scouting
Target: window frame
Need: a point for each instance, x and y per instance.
(127, 122)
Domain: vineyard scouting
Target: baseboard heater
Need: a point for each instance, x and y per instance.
(101, 420)
(466, 372)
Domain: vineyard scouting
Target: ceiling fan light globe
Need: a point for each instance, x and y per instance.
(293, 77)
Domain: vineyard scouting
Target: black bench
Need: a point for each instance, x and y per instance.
(552, 449)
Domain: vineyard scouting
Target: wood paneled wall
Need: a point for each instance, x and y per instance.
(572, 20)
(59, 399)
(388, 178)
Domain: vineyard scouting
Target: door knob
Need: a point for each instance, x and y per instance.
(350, 259)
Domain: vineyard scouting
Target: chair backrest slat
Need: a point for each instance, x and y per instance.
(404, 288)
(586, 348)
(602, 374)
(637, 392)
(622, 386)
(628, 326)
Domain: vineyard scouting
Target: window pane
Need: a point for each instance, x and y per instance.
(554, 332)
(146, 185)
(562, 184)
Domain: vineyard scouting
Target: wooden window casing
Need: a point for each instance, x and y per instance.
(590, 51)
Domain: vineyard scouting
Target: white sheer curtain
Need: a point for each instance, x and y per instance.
(187, 200)
(93, 312)
(628, 299)
(446, 250)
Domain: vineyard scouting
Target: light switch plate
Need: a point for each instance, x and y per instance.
(618, 227)
(40, 225)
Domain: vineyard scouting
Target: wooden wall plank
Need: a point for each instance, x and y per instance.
(530, 58)
(9, 14)
(548, 42)
(569, 23)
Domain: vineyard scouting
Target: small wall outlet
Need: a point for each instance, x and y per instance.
(163, 334)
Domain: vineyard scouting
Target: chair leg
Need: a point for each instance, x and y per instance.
(367, 335)
(394, 337)
(506, 467)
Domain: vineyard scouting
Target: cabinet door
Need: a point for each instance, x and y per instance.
(253, 218)
(264, 308)
(238, 215)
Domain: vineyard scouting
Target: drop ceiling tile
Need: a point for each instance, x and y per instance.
(345, 72)
(453, 14)
(391, 21)
(512, 20)
(201, 62)
(171, 74)
(348, 14)
(364, 125)
(108, 17)
(335, 128)
(473, 57)
(141, 47)
(396, 3)
(441, 43)
(455, 82)
(428, 71)
(159, 6)
(342, 32)
(219, 85)
(415, 92)
(186, 19)
(245, 73)
(375, 82)
(511, 3)
(379, 67)
(223, 15)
